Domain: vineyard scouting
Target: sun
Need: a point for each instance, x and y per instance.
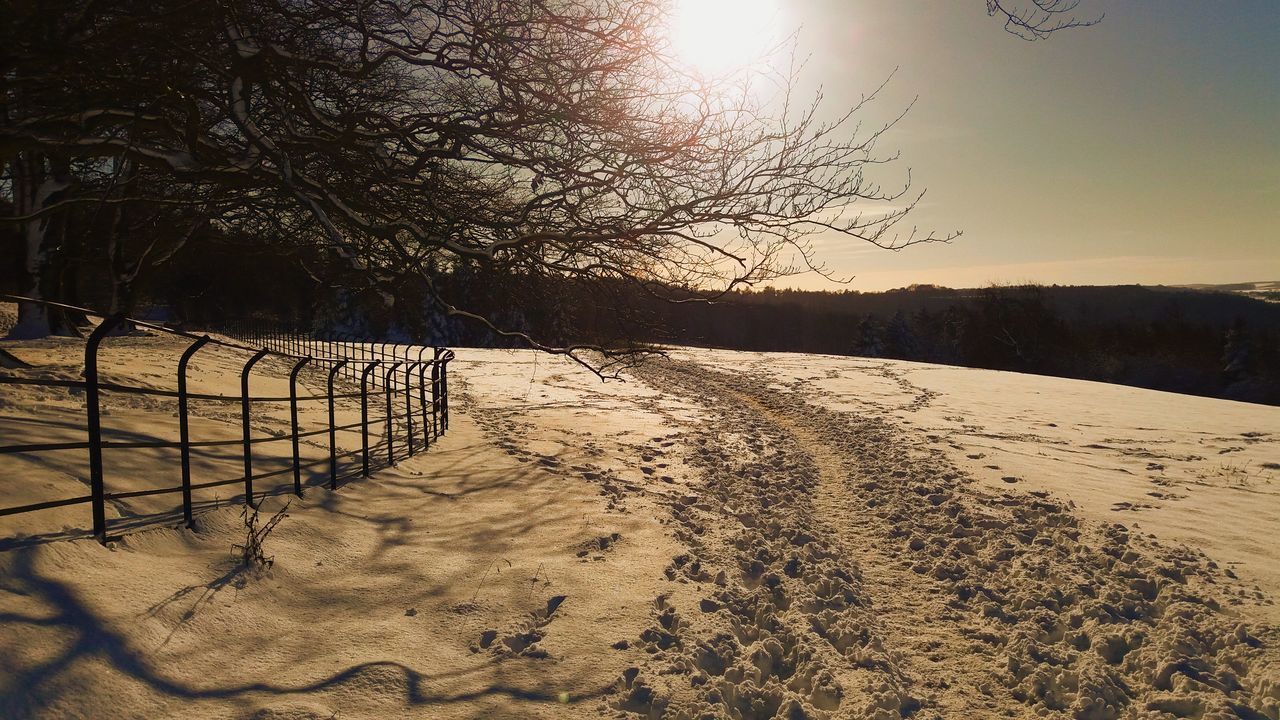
(719, 37)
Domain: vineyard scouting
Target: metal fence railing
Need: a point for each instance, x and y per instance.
(393, 376)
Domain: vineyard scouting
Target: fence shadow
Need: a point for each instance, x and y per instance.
(175, 517)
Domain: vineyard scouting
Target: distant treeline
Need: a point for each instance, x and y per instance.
(1187, 341)
(1201, 343)
(1181, 340)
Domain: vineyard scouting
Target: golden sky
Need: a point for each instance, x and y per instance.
(1143, 150)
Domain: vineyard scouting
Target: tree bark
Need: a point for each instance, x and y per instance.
(38, 181)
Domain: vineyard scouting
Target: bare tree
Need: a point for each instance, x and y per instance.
(544, 138)
(1040, 18)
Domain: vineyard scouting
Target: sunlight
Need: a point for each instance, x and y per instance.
(718, 37)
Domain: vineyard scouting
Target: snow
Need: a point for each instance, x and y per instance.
(732, 534)
(1190, 470)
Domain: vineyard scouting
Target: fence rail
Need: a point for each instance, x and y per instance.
(383, 375)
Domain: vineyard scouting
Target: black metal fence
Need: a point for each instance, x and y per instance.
(391, 375)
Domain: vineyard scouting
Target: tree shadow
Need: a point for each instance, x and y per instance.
(235, 576)
(35, 689)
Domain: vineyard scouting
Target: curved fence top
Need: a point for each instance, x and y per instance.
(119, 318)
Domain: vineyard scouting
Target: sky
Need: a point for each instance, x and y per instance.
(1145, 149)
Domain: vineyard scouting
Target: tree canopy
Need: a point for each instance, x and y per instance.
(393, 139)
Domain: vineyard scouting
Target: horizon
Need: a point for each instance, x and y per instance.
(1220, 287)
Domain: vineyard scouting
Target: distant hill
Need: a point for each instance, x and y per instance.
(1088, 305)
(1268, 290)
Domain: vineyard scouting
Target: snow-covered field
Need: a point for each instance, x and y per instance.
(725, 534)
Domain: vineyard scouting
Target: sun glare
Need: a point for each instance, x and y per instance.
(717, 37)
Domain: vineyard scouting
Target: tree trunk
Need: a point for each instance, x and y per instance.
(70, 322)
(123, 273)
(37, 183)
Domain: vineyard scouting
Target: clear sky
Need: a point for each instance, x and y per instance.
(1145, 149)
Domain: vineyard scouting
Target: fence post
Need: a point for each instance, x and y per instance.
(345, 354)
(364, 415)
(184, 431)
(349, 351)
(422, 393)
(435, 396)
(244, 424)
(439, 393)
(93, 418)
(388, 379)
(444, 393)
(408, 406)
(333, 439)
(353, 349)
(422, 403)
(293, 419)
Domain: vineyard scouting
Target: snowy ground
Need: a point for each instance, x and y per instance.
(725, 535)
(1190, 470)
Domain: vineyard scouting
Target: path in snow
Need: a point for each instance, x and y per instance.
(846, 566)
